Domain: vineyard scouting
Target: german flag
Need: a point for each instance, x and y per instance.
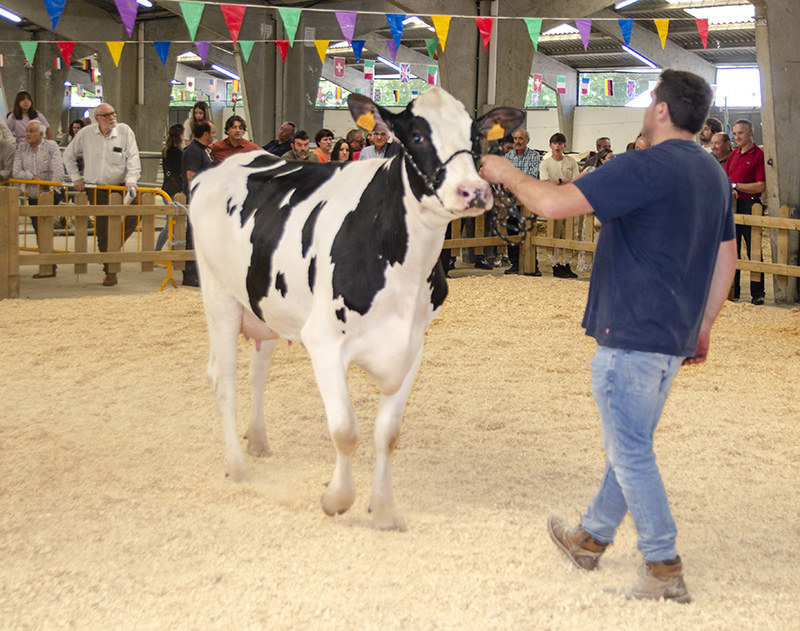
(609, 87)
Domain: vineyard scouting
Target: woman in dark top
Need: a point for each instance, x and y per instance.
(171, 156)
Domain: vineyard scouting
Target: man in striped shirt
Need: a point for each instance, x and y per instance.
(527, 161)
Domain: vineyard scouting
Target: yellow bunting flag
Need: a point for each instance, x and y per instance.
(322, 48)
(495, 133)
(663, 29)
(116, 51)
(442, 25)
(366, 121)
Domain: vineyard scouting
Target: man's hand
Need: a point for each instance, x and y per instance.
(130, 186)
(701, 350)
(79, 185)
(495, 169)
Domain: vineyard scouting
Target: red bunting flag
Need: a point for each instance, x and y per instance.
(66, 49)
(283, 46)
(233, 14)
(702, 28)
(485, 29)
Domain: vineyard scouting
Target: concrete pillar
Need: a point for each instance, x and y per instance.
(300, 80)
(776, 26)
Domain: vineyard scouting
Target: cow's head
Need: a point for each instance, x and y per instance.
(441, 142)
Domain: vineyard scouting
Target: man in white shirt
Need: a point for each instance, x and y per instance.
(111, 157)
(381, 147)
(559, 169)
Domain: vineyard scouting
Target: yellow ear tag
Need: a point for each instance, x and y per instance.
(366, 121)
(496, 132)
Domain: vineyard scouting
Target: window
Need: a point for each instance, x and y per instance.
(385, 92)
(738, 87)
(547, 97)
(616, 89)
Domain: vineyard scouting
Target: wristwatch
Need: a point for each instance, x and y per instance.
(734, 186)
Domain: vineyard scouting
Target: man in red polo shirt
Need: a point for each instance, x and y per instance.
(235, 141)
(745, 170)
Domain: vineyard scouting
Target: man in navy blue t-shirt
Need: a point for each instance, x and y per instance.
(663, 266)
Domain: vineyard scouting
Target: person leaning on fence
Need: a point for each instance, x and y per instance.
(111, 157)
(663, 266)
(196, 157)
(39, 159)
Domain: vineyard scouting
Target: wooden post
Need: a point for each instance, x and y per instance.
(783, 247)
(46, 237)
(755, 242)
(148, 231)
(115, 232)
(82, 233)
(9, 242)
(179, 234)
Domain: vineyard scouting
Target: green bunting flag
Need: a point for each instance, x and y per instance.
(534, 29)
(192, 12)
(290, 17)
(29, 48)
(246, 46)
(431, 45)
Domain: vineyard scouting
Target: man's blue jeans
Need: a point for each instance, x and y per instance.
(630, 389)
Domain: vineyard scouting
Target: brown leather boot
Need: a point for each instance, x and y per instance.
(576, 543)
(658, 579)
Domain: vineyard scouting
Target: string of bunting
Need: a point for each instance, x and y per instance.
(233, 14)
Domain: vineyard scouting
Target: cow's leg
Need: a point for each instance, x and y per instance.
(387, 432)
(224, 317)
(259, 369)
(331, 375)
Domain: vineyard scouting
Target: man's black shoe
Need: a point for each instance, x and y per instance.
(482, 264)
(559, 271)
(451, 264)
(514, 269)
(758, 300)
(536, 273)
(190, 280)
(568, 272)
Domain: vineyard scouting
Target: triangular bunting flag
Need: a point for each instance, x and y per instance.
(54, 9)
(115, 48)
(584, 28)
(322, 48)
(358, 48)
(626, 27)
(192, 12)
(485, 29)
(127, 11)
(233, 14)
(347, 22)
(702, 28)
(392, 49)
(283, 46)
(290, 17)
(534, 30)
(663, 28)
(202, 50)
(66, 49)
(442, 25)
(162, 48)
(396, 26)
(431, 45)
(246, 46)
(29, 48)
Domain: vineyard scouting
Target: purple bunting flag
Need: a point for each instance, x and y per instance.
(584, 28)
(202, 50)
(347, 22)
(392, 49)
(127, 11)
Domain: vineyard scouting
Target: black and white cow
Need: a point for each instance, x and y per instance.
(343, 258)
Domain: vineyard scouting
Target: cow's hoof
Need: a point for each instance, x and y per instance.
(334, 504)
(387, 519)
(237, 473)
(259, 451)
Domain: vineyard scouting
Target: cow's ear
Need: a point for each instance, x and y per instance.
(500, 122)
(367, 114)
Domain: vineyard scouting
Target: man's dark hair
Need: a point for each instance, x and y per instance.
(202, 127)
(598, 144)
(744, 121)
(293, 126)
(687, 96)
(235, 119)
(714, 124)
(323, 133)
(301, 135)
(558, 137)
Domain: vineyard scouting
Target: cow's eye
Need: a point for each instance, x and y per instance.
(418, 138)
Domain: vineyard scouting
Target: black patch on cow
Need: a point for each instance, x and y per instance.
(312, 273)
(371, 237)
(415, 135)
(308, 228)
(341, 315)
(438, 284)
(265, 191)
(280, 284)
(262, 161)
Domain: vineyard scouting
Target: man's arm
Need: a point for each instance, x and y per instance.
(751, 188)
(543, 199)
(724, 270)
(133, 167)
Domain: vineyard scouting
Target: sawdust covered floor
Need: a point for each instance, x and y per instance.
(115, 512)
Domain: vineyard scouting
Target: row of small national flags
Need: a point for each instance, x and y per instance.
(608, 85)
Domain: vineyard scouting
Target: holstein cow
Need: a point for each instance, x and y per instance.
(343, 258)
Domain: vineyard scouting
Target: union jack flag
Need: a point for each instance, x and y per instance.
(631, 87)
(405, 73)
